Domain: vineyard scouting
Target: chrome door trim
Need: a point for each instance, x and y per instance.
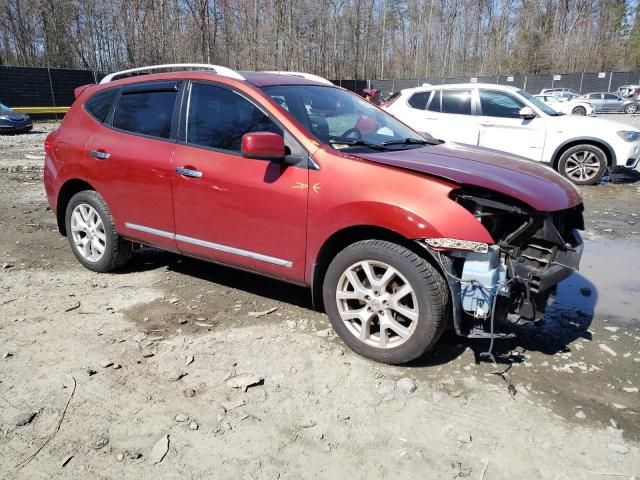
(214, 246)
(153, 231)
(235, 251)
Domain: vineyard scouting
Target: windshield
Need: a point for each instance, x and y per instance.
(4, 108)
(343, 120)
(536, 102)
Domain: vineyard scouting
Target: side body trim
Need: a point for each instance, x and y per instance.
(211, 245)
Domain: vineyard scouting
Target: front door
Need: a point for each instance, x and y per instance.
(502, 128)
(244, 212)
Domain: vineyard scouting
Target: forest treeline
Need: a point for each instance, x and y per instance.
(333, 38)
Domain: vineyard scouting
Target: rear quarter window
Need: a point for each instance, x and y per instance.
(98, 106)
(419, 100)
(146, 113)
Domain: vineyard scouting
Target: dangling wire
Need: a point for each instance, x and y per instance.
(489, 353)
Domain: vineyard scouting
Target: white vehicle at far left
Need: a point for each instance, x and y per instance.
(505, 118)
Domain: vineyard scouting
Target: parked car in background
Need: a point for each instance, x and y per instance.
(561, 93)
(13, 122)
(574, 107)
(604, 102)
(231, 167)
(505, 118)
(629, 91)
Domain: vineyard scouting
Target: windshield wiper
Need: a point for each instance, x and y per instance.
(412, 141)
(358, 143)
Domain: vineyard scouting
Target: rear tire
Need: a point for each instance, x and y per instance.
(583, 164)
(394, 319)
(92, 234)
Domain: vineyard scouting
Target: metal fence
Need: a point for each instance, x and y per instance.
(53, 87)
(41, 87)
(580, 82)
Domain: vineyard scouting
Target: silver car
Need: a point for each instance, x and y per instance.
(604, 102)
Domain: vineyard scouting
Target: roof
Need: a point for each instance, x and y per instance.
(268, 79)
(493, 86)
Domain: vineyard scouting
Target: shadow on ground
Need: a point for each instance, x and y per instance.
(565, 321)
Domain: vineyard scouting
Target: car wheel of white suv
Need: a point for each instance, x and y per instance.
(583, 164)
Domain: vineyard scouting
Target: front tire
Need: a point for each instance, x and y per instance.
(385, 302)
(581, 111)
(92, 234)
(583, 164)
(631, 108)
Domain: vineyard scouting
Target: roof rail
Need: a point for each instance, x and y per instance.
(220, 70)
(308, 76)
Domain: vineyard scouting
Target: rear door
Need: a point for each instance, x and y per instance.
(452, 114)
(502, 128)
(414, 113)
(128, 160)
(239, 211)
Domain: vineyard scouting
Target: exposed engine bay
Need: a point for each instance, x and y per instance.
(512, 281)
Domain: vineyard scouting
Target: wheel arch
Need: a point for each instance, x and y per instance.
(67, 191)
(596, 142)
(343, 238)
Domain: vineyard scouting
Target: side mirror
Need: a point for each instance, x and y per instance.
(263, 146)
(526, 113)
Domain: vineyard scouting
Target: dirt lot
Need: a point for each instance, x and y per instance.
(132, 375)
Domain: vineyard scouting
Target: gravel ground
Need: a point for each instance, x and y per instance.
(141, 374)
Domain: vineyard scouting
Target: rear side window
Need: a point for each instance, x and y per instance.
(499, 104)
(146, 113)
(419, 100)
(434, 105)
(219, 117)
(98, 105)
(456, 101)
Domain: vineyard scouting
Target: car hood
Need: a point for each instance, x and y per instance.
(530, 182)
(586, 125)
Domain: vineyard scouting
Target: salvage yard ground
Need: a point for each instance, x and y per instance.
(176, 368)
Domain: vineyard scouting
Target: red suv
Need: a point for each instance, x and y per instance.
(398, 236)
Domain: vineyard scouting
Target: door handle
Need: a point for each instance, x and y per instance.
(487, 124)
(188, 172)
(100, 155)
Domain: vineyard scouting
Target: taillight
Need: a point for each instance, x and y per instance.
(48, 145)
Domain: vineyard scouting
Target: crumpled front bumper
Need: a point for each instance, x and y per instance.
(541, 274)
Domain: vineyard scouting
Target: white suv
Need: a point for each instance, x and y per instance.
(509, 119)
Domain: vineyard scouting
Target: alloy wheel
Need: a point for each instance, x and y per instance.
(377, 304)
(87, 231)
(582, 166)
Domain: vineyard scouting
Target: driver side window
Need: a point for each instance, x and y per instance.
(499, 104)
(219, 117)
